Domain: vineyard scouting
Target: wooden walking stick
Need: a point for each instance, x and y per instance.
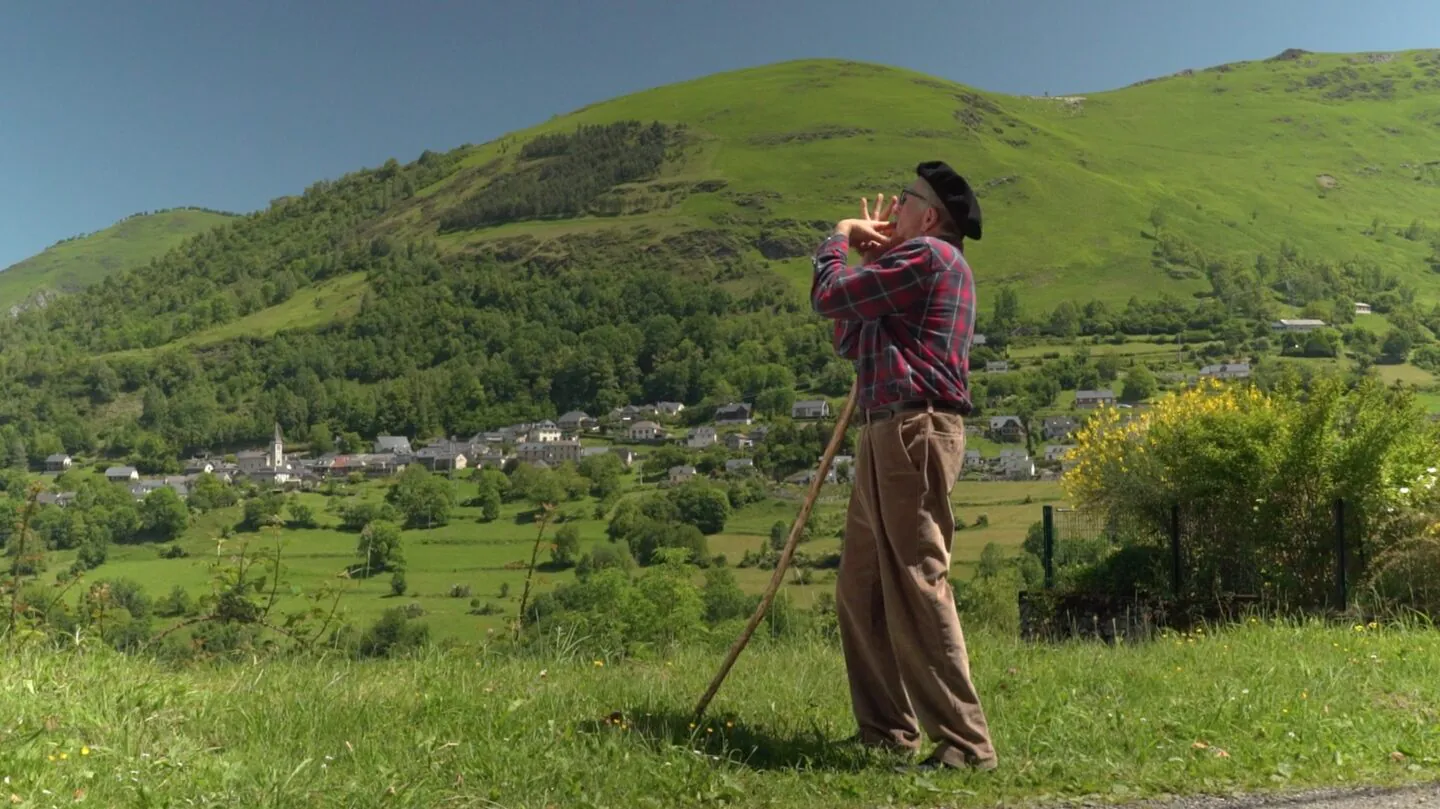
(795, 529)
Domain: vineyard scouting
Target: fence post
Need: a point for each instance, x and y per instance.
(1048, 552)
(1341, 596)
(1175, 548)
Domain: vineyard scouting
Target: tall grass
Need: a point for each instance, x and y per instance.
(1252, 706)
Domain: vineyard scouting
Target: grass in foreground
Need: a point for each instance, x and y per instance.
(1254, 707)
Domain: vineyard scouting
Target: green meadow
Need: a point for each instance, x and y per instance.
(489, 556)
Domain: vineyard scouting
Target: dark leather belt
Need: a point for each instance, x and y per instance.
(916, 405)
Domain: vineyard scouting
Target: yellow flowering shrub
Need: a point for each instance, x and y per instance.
(1255, 476)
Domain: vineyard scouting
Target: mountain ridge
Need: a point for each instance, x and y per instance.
(77, 261)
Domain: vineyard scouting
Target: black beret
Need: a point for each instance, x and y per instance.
(955, 194)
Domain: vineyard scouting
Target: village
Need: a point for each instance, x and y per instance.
(630, 432)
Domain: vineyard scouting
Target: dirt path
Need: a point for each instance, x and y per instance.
(1375, 798)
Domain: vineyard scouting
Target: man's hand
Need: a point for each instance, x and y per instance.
(870, 235)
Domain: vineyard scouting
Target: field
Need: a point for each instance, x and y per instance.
(488, 556)
(80, 262)
(1253, 707)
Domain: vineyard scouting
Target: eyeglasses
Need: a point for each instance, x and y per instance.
(907, 193)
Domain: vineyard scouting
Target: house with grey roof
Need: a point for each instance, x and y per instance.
(1056, 428)
(576, 421)
(735, 442)
(810, 409)
(735, 466)
(734, 413)
(645, 431)
(1227, 370)
(393, 445)
(444, 456)
(1007, 428)
(122, 474)
(1091, 399)
(702, 437)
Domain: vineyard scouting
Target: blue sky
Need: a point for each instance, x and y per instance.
(108, 108)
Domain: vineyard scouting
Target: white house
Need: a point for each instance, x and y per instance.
(737, 465)
(1057, 452)
(545, 431)
(846, 461)
(702, 437)
(552, 453)
(1298, 324)
(122, 474)
(1016, 464)
(645, 431)
(1229, 370)
(669, 409)
(997, 367)
(810, 409)
(1362, 308)
(59, 462)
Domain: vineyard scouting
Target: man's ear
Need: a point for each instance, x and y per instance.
(929, 220)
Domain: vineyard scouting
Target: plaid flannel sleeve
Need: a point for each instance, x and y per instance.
(890, 284)
(847, 338)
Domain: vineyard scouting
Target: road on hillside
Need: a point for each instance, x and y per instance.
(1375, 798)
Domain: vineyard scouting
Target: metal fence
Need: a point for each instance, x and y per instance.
(1191, 542)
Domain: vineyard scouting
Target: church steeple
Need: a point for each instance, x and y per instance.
(277, 451)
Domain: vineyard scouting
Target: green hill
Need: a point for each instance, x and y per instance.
(656, 247)
(81, 261)
(1312, 150)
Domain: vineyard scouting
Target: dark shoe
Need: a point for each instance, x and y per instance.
(878, 744)
(934, 764)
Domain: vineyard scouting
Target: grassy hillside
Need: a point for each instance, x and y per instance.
(77, 263)
(1235, 159)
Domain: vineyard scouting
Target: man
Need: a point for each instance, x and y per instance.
(905, 315)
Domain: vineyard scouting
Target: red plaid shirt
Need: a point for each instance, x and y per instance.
(906, 319)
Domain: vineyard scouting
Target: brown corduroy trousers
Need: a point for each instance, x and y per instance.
(904, 649)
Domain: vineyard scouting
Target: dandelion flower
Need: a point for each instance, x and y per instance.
(84, 751)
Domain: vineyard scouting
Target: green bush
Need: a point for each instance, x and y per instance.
(1256, 476)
